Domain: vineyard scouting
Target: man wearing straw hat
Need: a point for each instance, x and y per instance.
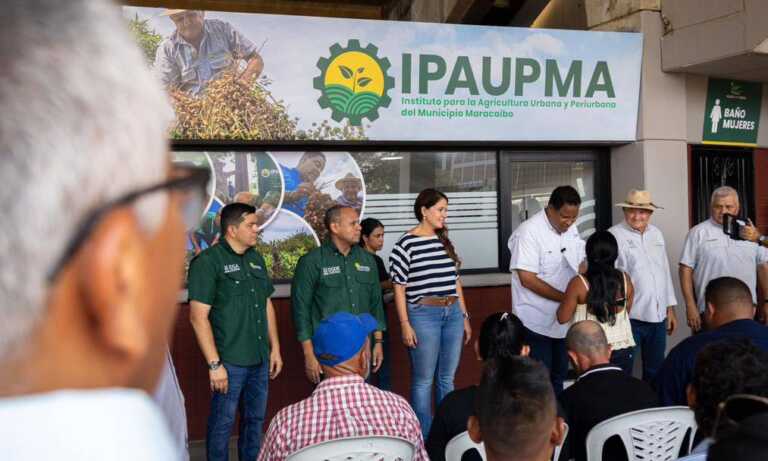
(200, 49)
(350, 187)
(643, 255)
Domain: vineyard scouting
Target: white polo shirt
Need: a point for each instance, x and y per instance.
(712, 254)
(644, 258)
(537, 247)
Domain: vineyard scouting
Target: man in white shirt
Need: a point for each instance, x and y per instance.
(546, 252)
(709, 253)
(643, 255)
(90, 275)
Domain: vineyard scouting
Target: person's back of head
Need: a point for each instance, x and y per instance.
(340, 343)
(515, 411)
(728, 299)
(606, 283)
(587, 345)
(87, 298)
(747, 441)
(501, 336)
(723, 369)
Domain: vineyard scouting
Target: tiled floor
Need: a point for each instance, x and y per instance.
(197, 450)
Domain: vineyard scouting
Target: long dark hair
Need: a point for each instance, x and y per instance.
(606, 283)
(427, 199)
(367, 226)
(501, 336)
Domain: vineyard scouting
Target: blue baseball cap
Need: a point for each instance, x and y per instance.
(339, 337)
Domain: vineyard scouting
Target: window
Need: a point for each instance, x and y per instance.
(528, 179)
(394, 179)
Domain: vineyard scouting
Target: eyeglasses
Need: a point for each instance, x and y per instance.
(735, 409)
(192, 180)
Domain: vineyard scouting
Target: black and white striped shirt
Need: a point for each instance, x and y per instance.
(423, 266)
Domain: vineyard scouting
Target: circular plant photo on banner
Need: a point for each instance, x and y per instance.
(207, 232)
(248, 177)
(315, 181)
(283, 242)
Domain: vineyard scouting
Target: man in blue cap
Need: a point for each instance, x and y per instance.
(342, 405)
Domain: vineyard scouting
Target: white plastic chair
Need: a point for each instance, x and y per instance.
(556, 454)
(374, 448)
(653, 434)
(458, 445)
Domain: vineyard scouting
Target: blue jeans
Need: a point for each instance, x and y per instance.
(439, 334)
(651, 342)
(551, 352)
(250, 384)
(624, 359)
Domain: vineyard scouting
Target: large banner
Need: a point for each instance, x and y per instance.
(269, 77)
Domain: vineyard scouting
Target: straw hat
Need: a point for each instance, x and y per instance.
(348, 178)
(639, 199)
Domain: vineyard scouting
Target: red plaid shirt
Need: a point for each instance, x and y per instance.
(340, 407)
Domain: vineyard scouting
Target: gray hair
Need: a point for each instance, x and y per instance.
(722, 192)
(588, 338)
(83, 122)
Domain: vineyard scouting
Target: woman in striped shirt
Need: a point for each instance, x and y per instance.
(430, 303)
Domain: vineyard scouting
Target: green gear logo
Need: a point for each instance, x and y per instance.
(353, 82)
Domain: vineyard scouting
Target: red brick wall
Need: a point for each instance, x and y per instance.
(292, 385)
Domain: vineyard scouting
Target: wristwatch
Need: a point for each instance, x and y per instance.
(465, 314)
(214, 365)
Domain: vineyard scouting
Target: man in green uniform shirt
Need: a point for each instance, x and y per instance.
(338, 276)
(234, 322)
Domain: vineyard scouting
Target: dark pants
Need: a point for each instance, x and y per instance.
(382, 378)
(651, 342)
(624, 358)
(551, 352)
(250, 384)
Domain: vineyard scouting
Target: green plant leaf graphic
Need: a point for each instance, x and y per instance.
(360, 70)
(364, 81)
(346, 71)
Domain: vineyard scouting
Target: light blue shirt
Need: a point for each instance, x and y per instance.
(699, 453)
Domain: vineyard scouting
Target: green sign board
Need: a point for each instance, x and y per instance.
(732, 114)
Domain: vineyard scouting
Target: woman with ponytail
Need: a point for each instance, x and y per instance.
(430, 303)
(502, 337)
(604, 294)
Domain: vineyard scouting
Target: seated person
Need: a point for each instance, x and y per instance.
(501, 336)
(601, 391)
(343, 401)
(748, 441)
(729, 314)
(604, 294)
(515, 412)
(724, 369)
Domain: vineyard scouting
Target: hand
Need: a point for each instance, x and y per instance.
(304, 189)
(377, 357)
(467, 331)
(694, 318)
(275, 363)
(409, 336)
(749, 232)
(671, 320)
(219, 380)
(312, 368)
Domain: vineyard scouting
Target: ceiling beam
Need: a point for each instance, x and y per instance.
(360, 9)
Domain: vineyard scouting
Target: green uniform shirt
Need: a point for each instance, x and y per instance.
(237, 288)
(326, 282)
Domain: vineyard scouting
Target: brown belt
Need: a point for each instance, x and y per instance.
(435, 301)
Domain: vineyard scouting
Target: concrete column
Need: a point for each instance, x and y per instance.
(658, 161)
